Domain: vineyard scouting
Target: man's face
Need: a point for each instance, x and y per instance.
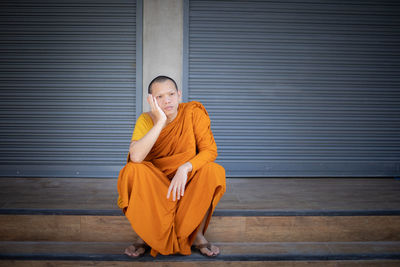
(167, 97)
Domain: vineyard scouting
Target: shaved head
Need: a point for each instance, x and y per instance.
(160, 79)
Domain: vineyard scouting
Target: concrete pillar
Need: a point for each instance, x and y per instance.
(162, 41)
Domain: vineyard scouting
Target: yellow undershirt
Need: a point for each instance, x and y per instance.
(143, 124)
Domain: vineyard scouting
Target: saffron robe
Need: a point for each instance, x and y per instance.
(168, 226)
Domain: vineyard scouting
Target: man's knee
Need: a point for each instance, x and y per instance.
(217, 172)
(138, 170)
(212, 168)
(144, 166)
(211, 175)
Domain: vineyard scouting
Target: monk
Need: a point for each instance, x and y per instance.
(170, 186)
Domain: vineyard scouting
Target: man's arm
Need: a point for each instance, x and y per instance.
(207, 152)
(206, 146)
(138, 150)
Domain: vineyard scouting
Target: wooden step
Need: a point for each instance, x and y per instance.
(92, 228)
(268, 194)
(259, 222)
(232, 254)
(252, 210)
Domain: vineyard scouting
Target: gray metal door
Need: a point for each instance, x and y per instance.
(298, 88)
(67, 81)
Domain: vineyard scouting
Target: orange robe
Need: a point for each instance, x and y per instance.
(168, 226)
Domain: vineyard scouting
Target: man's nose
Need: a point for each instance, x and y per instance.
(167, 100)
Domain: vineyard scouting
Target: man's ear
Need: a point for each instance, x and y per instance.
(180, 96)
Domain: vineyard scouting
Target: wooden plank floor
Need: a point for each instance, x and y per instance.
(221, 229)
(271, 194)
(259, 248)
(232, 254)
(83, 228)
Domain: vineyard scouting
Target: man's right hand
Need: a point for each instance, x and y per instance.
(138, 150)
(156, 111)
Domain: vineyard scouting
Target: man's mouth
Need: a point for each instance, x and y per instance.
(169, 108)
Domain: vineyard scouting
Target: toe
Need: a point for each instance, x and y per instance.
(131, 251)
(215, 250)
(127, 252)
(210, 252)
(206, 251)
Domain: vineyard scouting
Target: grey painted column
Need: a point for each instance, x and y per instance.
(162, 41)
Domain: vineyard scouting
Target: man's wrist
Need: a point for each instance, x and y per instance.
(187, 167)
(160, 123)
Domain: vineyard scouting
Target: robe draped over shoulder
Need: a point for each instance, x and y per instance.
(169, 226)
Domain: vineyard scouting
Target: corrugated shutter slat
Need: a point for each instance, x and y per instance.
(299, 88)
(67, 80)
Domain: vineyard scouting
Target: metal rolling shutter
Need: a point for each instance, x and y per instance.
(299, 88)
(67, 79)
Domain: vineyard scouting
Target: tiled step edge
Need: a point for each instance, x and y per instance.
(247, 213)
(236, 251)
(177, 258)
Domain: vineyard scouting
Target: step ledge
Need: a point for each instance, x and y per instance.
(180, 258)
(228, 213)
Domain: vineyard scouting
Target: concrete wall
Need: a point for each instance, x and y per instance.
(162, 41)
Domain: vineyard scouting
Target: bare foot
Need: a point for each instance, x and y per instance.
(210, 252)
(136, 250)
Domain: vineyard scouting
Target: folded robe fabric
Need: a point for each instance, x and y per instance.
(168, 226)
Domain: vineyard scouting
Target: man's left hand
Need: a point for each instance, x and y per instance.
(178, 183)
